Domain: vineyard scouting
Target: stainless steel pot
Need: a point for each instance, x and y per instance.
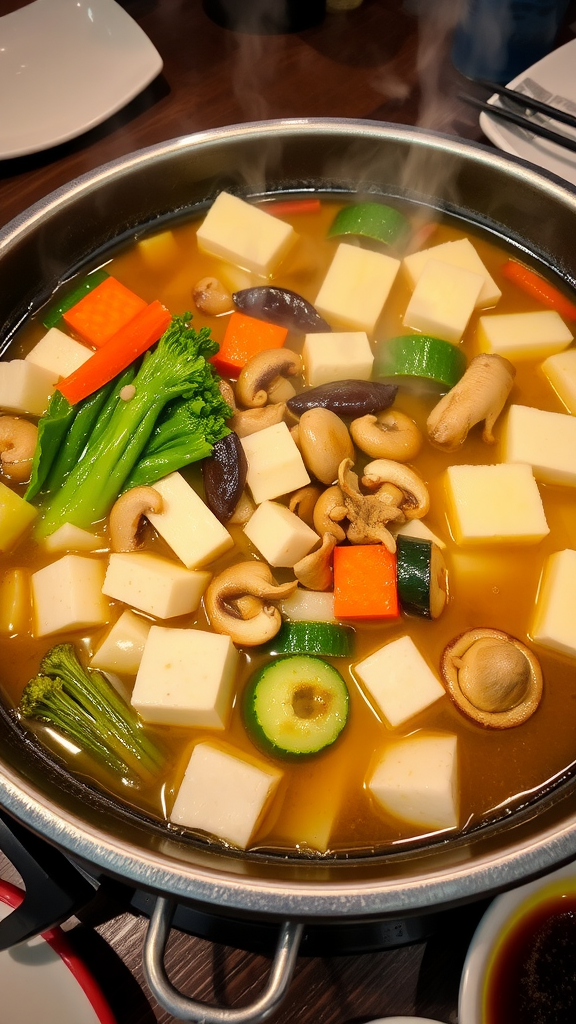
(523, 208)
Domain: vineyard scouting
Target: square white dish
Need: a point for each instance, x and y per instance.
(553, 81)
(65, 66)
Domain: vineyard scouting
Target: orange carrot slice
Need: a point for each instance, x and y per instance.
(103, 312)
(245, 336)
(122, 349)
(291, 206)
(538, 288)
(365, 582)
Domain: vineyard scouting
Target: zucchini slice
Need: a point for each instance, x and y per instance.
(377, 221)
(295, 706)
(420, 355)
(327, 638)
(421, 577)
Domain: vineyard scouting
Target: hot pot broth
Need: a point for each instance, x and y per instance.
(492, 586)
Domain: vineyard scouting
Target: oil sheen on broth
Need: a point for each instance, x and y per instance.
(492, 586)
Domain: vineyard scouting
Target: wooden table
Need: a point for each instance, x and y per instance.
(378, 62)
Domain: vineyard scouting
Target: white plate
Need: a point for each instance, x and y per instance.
(65, 66)
(553, 80)
(44, 981)
(498, 915)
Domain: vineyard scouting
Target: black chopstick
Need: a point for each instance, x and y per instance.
(524, 122)
(528, 101)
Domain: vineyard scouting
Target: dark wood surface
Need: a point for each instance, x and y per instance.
(381, 62)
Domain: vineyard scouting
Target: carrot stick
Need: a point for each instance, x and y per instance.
(538, 288)
(122, 349)
(290, 206)
(365, 582)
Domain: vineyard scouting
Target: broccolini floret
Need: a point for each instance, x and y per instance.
(85, 707)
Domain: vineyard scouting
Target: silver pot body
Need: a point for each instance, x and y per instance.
(522, 208)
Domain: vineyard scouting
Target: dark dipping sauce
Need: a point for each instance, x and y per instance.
(532, 979)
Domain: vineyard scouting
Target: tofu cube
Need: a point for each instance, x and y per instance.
(24, 387)
(560, 370)
(71, 538)
(398, 680)
(417, 781)
(338, 356)
(309, 606)
(224, 794)
(241, 233)
(280, 535)
(555, 618)
(456, 254)
(356, 287)
(417, 529)
(187, 524)
(159, 251)
(122, 648)
(492, 504)
(443, 301)
(16, 515)
(312, 804)
(520, 336)
(546, 441)
(58, 354)
(67, 594)
(154, 585)
(275, 465)
(186, 677)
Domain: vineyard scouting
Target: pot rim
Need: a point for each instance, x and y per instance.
(217, 885)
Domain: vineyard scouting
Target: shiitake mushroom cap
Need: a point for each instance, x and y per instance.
(494, 702)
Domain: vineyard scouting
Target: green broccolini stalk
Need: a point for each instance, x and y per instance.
(86, 708)
(176, 370)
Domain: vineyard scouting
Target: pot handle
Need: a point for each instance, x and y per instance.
(186, 1009)
(54, 888)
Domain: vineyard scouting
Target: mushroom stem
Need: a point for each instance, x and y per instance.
(389, 435)
(250, 421)
(126, 515)
(260, 371)
(238, 603)
(479, 395)
(315, 570)
(17, 444)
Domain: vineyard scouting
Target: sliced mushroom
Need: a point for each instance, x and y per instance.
(224, 475)
(244, 510)
(329, 511)
(246, 622)
(492, 677)
(17, 445)
(479, 395)
(315, 570)
(346, 397)
(126, 517)
(303, 502)
(416, 501)
(256, 377)
(390, 434)
(212, 297)
(250, 421)
(324, 441)
(367, 514)
(227, 392)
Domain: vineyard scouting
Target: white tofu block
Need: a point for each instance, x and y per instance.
(280, 535)
(224, 795)
(443, 301)
(187, 524)
(417, 529)
(186, 677)
(457, 254)
(241, 233)
(122, 648)
(356, 287)
(275, 465)
(560, 370)
(520, 336)
(399, 681)
(154, 585)
(555, 619)
(58, 354)
(417, 781)
(338, 356)
(312, 805)
(309, 606)
(24, 387)
(67, 594)
(546, 441)
(491, 504)
(71, 538)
